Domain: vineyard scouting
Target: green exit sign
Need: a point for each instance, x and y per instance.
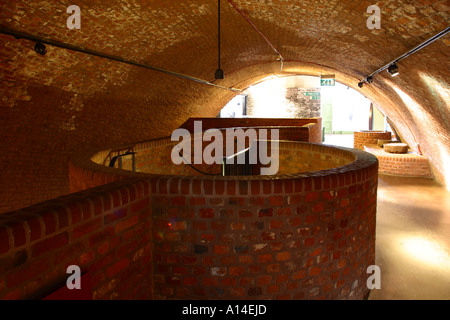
(327, 80)
(313, 95)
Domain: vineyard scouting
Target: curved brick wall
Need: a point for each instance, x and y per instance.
(106, 231)
(362, 138)
(296, 236)
(155, 157)
(410, 164)
(302, 157)
(308, 236)
(299, 236)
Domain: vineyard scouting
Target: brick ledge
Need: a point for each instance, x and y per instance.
(410, 164)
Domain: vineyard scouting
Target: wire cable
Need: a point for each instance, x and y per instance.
(280, 57)
(41, 40)
(407, 54)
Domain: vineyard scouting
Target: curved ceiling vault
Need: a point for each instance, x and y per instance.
(66, 101)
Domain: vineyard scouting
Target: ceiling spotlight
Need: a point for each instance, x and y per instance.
(369, 79)
(361, 84)
(393, 70)
(40, 48)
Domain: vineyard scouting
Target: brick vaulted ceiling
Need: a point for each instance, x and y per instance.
(67, 102)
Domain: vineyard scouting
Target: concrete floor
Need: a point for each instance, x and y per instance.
(413, 236)
(413, 240)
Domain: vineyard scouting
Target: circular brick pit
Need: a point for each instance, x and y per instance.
(155, 158)
(307, 233)
(363, 138)
(306, 237)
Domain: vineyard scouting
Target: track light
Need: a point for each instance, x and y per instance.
(392, 67)
(369, 79)
(393, 70)
(40, 48)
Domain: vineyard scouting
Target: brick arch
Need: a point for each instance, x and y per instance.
(66, 102)
(412, 103)
(381, 98)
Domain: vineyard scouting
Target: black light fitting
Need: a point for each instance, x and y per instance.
(219, 72)
(393, 70)
(40, 48)
(392, 66)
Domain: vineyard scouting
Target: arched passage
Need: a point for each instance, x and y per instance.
(72, 102)
(67, 101)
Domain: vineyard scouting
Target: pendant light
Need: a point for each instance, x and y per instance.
(219, 72)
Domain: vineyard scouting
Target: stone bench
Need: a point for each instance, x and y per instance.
(400, 148)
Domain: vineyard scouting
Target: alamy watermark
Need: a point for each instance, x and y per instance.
(374, 281)
(74, 280)
(214, 152)
(374, 21)
(74, 21)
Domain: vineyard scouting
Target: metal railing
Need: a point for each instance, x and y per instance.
(119, 157)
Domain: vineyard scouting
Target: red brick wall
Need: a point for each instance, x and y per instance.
(305, 236)
(105, 231)
(411, 165)
(291, 238)
(301, 157)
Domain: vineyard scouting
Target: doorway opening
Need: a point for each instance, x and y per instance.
(343, 110)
